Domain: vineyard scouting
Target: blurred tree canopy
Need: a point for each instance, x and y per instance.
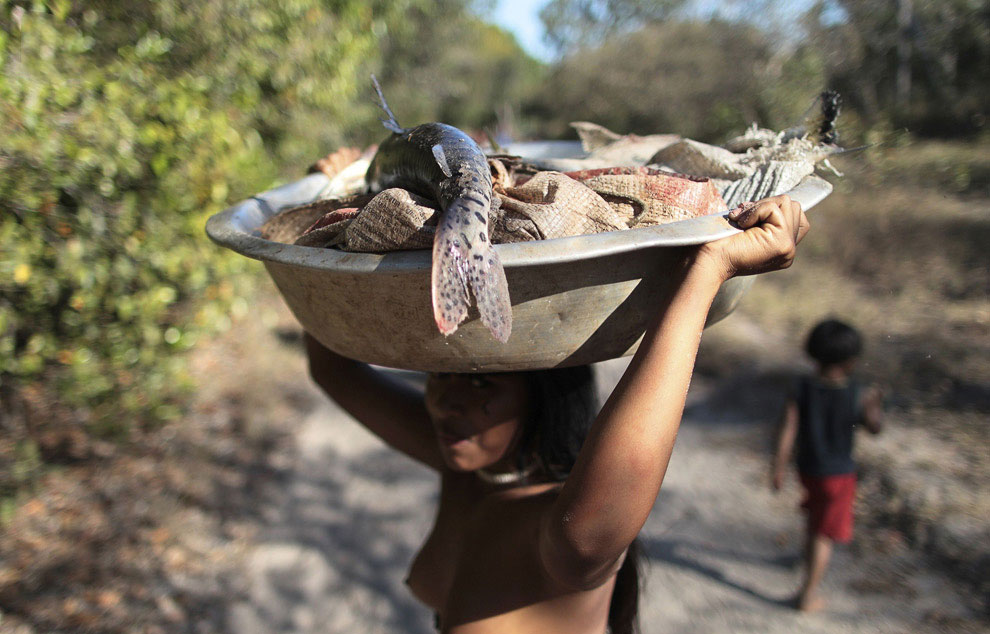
(123, 126)
(922, 64)
(572, 25)
(456, 68)
(673, 77)
(642, 66)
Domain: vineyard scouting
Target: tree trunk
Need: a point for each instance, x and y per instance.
(905, 15)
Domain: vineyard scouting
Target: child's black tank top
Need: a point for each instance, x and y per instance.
(827, 417)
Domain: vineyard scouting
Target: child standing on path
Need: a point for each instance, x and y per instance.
(819, 420)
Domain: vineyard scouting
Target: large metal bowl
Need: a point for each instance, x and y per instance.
(574, 300)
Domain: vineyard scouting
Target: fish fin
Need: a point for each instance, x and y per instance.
(389, 121)
(459, 266)
(491, 292)
(449, 285)
(441, 158)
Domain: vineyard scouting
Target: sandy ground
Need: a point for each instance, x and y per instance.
(720, 548)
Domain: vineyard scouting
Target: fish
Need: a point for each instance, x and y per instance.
(819, 127)
(441, 162)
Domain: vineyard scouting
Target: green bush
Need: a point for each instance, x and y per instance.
(122, 128)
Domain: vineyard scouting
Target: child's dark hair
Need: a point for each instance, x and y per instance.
(833, 341)
(565, 404)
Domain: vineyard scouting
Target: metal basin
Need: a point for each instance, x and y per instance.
(575, 300)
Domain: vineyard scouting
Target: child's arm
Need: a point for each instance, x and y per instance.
(390, 409)
(786, 435)
(872, 410)
(614, 484)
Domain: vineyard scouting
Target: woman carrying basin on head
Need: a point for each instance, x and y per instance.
(541, 498)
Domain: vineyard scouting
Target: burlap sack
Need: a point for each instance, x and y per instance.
(765, 164)
(644, 196)
(393, 220)
(620, 150)
(551, 205)
(688, 156)
(540, 206)
(768, 179)
(318, 224)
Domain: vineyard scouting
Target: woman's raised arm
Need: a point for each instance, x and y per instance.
(390, 409)
(614, 484)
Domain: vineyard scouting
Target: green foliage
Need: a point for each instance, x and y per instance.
(122, 128)
(443, 63)
(919, 65)
(924, 65)
(674, 77)
(951, 167)
(572, 25)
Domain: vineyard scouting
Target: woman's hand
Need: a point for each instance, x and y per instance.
(772, 228)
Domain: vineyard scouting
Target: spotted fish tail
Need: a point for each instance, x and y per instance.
(461, 263)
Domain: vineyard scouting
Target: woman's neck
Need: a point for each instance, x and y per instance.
(514, 477)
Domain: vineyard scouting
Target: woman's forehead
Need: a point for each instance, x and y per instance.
(513, 380)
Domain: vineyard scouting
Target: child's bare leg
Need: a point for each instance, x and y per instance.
(818, 553)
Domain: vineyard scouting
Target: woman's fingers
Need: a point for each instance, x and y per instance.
(798, 220)
(779, 211)
(803, 226)
(768, 211)
(802, 222)
(772, 228)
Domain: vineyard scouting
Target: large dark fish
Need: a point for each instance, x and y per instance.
(820, 127)
(441, 162)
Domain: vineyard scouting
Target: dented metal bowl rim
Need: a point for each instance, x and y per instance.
(237, 228)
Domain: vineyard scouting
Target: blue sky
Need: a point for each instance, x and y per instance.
(522, 19)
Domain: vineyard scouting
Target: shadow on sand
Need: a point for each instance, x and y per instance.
(337, 540)
(678, 552)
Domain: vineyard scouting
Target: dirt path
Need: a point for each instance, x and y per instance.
(721, 549)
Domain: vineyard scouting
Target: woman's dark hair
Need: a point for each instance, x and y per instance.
(565, 403)
(833, 341)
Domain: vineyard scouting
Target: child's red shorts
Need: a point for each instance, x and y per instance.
(829, 502)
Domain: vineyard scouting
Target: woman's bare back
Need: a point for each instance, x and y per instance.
(480, 568)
